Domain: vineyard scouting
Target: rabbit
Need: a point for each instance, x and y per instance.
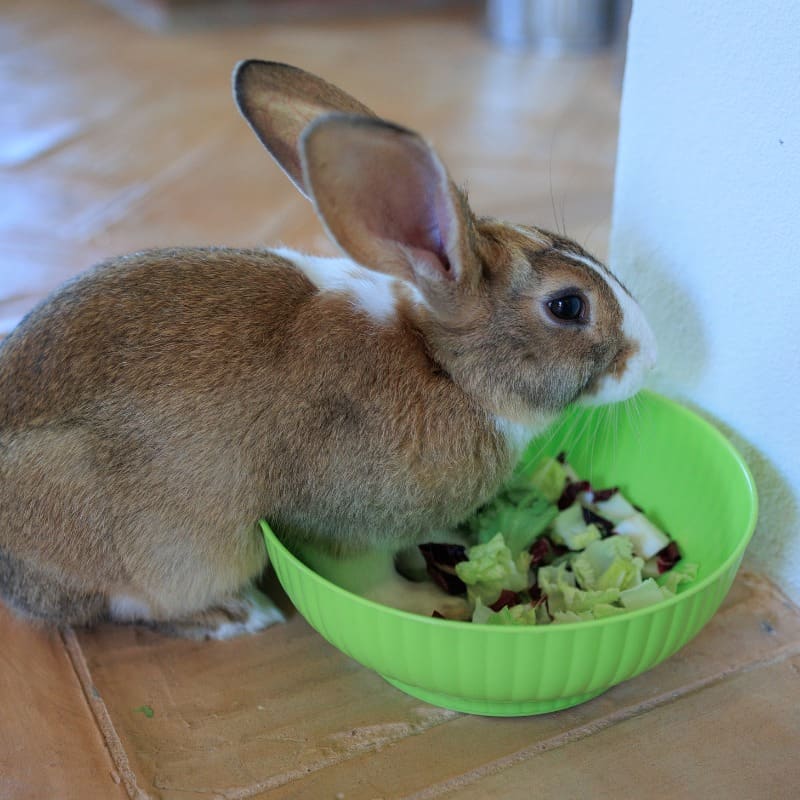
(155, 407)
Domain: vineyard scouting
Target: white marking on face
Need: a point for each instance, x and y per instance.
(533, 235)
(124, 608)
(611, 389)
(371, 291)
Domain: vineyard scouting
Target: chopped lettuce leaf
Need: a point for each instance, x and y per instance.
(570, 529)
(584, 600)
(580, 541)
(650, 568)
(682, 572)
(552, 581)
(491, 567)
(599, 611)
(608, 563)
(647, 593)
(602, 610)
(520, 522)
(550, 478)
(646, 537)
(521, 614)
(481, 612)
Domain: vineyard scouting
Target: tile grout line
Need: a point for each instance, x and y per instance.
(440, 716)
(102, 717)
(597, 726)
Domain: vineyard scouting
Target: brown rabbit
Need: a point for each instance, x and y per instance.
(156, 406)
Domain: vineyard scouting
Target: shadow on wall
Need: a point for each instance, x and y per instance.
(778, 511)
(675, 317)
(683, 357)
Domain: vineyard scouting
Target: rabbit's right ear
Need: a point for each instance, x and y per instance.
(279, 101)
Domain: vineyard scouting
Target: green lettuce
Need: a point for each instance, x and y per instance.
(570, 529)
(550, 478)
(599, 611)
(647, 593)
(559, 584)
(520, 513)
(682, 572)
(491, 567)
(522, 614)
(553, 581)
(608, 563)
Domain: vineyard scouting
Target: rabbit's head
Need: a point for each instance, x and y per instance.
(523, 320)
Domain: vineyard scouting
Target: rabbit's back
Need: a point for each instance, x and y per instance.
(135, 326)
(216, 386)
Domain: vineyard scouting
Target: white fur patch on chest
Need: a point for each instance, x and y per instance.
(518, 435)
(371, 292)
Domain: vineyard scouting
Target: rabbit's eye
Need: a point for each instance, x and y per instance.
(570, 307)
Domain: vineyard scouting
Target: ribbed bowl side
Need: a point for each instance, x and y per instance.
(497, 665)
(507, 667)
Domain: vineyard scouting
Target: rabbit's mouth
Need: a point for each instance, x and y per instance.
(631, 364)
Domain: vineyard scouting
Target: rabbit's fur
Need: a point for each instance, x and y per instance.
(156, 406)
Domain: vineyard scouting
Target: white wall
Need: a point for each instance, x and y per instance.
(706, 231)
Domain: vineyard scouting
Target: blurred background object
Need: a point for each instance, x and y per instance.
(174, 15)
(558, 27)
(552, 27)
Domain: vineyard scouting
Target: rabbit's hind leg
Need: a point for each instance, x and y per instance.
(42, 596)
(249, 611)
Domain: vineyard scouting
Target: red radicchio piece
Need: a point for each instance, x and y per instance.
(668, 557)
(601, 495)
(571, 491)
(604, 525)
(437, 615)
(507, 598)
(440, 562)
(544, 550)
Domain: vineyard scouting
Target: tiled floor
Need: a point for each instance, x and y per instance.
(115, 139)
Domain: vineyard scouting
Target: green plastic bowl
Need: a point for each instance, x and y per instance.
(672, 463)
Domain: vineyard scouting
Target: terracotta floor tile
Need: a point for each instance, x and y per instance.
(752, 719)
(763, 629)
(49, 743)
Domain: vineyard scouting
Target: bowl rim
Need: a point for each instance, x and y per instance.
(538, 630)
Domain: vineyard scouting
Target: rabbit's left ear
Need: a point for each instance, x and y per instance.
(279, 101)
(387, 201)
